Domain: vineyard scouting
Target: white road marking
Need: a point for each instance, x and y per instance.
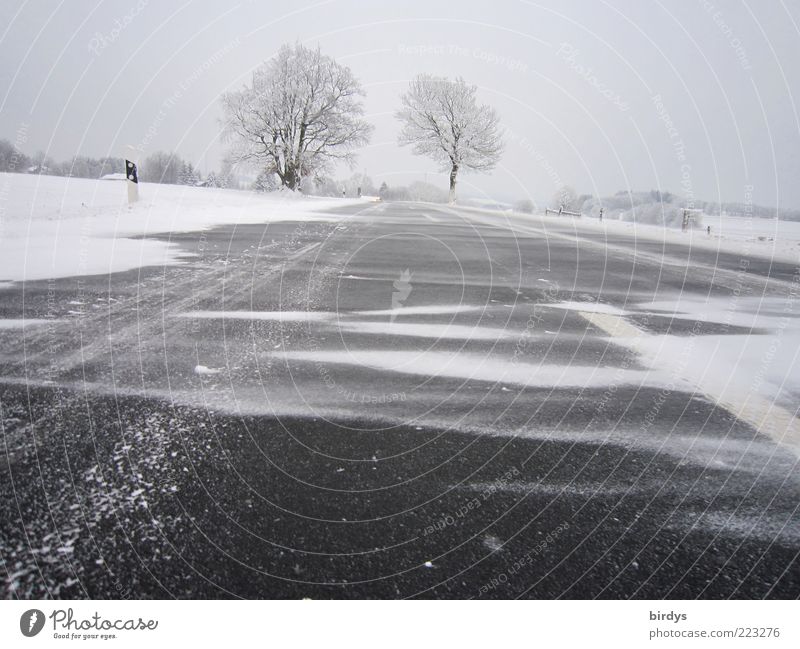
(765, 416)
(614, 325)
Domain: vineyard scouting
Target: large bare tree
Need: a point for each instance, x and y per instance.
(443, 120)
(302, 113)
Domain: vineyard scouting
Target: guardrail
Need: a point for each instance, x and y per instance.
(561, 212)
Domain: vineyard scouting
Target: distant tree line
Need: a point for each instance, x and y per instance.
(416, 191)
(654, 206)
(158, 167)
(14, 160)
(170, 169)
(662, 207)
(358, 184)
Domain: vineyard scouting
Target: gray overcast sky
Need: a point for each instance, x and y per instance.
(691, 96)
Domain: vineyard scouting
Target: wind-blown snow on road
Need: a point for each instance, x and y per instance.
(62, 227)
(270, 417)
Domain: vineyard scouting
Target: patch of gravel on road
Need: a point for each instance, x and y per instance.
(76, 489)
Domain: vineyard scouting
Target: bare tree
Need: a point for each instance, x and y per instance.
(161, 167)
(566, 199)
(12, 159)
(442, 120)
(301, 113)
(525, 206)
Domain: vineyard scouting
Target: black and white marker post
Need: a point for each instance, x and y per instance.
(132, 174)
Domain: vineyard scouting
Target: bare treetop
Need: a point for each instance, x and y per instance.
(566, 198)
(443, 121)
(302, 112)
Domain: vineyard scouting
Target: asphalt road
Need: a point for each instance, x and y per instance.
(408, 401)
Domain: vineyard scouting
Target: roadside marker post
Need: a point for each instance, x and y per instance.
(132, 174)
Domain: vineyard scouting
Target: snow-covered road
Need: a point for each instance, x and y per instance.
(388, 400)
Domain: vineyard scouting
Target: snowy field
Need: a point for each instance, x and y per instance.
(750, 237)
(54, 227)
(766, 238)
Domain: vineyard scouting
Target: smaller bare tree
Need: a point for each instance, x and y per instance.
(443, 120)
(161, 167)
(566, 199)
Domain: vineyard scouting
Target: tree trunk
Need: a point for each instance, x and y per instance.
(453, 173)
(289, 177)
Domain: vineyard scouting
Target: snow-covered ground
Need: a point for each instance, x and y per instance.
(54, 227)
(765, 238)
(733, 368)
(60, 227)
(57, 227)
